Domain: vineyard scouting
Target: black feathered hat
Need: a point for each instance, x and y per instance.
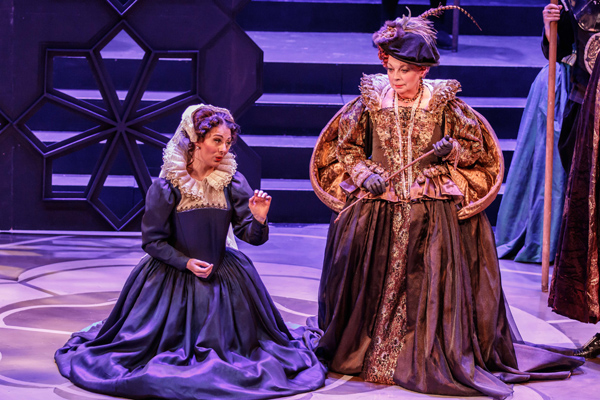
(412, 39)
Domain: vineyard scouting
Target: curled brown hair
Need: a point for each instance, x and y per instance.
(383, 56)
(204, 120)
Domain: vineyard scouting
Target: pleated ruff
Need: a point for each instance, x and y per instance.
(457, 338)
(174, 336)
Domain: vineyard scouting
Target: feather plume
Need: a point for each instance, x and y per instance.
(436, 12)
(397, 28)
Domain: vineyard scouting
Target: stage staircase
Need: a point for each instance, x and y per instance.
(316, 51)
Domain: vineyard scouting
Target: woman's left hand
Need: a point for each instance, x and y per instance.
(259, 205)
(443, 147)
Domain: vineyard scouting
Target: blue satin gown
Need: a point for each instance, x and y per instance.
(172, 335)
(519, 227)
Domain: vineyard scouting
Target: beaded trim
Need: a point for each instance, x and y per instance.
(406, 177)
(187, 204)
(415, 97)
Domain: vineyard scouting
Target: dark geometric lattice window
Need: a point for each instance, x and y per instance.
(105, 117)
(120, 72)
(122, 6)
(3, 122)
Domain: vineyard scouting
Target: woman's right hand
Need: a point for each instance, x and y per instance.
(550, 13)
(199, 268)
(443, 147)
(375, 184)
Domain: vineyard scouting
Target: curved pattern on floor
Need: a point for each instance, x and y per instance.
(59, 295)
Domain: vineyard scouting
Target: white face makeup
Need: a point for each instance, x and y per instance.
(404, 78)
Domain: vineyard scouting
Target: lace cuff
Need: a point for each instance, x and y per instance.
(360, 173)
(454, 154)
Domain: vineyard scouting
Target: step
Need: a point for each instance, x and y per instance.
(294, 201)
(273, 114)
(333, 63)
(122, 181)
(357, 48)
(288, 157)
(282, 157)
(495, 17)
(476, 81)
(341, 99)
(306, 114)
(79, 180)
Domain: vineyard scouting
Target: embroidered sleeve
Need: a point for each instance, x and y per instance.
(454, 154)
(463, 126)
(478, 165)
(351, 145)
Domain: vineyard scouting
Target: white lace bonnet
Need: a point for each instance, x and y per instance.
(175, 155)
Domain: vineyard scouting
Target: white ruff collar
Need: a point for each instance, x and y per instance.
(174, 169)
(209, 191)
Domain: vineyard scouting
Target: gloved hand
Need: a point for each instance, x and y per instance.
(375, 184)
(443, 147)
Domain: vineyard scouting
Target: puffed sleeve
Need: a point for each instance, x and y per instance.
(479, 169)
(463, 125)
(157, 225)
(245, 226)
(353, 126)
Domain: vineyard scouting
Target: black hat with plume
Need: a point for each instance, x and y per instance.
(412, 39)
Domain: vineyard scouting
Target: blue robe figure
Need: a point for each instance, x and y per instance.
(520, 220)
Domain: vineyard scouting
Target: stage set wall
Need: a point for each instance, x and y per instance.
(51, 140)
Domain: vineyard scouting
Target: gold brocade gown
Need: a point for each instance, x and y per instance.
(410, 291)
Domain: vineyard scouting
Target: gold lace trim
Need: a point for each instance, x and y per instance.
(188, 204)
(372, 90)
(443, 92)
(390, 326)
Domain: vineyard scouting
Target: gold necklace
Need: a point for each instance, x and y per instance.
(419, 91)
(406, 177)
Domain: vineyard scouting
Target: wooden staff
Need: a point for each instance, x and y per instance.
(549, 154)
(430, 152)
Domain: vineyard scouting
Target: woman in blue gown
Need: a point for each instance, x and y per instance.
(194, 320)
(520, 218)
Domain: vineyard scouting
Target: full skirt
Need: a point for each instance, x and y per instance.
(449, 332)
(172, 335)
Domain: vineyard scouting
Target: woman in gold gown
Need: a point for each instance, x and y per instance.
(410, 291)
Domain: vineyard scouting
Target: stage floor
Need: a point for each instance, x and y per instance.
(55, 283)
